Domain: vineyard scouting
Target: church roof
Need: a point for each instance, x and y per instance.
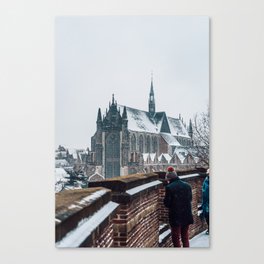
(139, 120)
(177, 128)
(142, 121)
(170, 139)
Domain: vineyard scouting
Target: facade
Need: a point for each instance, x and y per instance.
(129, 140)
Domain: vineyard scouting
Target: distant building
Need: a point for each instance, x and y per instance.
(129, 140)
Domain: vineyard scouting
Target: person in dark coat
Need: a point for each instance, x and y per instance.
(178, 200)
(205, 202)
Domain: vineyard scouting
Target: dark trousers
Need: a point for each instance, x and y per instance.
(180, 233)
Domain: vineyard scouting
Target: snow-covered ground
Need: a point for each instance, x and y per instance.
(200, 241)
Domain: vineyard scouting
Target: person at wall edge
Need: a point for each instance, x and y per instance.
(205, 202)
(178, 198)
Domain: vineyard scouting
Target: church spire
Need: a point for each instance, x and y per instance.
(190, 129)
(124, 115)
(99, 115)
(99, 119)
(151, 97)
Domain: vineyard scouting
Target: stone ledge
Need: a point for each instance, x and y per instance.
(89, 229)
(123, 183)
(74, 205)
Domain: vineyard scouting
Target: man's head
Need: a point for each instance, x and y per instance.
(170, 169)
(171, 173)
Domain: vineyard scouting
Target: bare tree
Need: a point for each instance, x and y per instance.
(201, 136)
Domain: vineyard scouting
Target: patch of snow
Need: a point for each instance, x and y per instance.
(163, 235)
(92, 197)
(73, 152)
(152, 156)
(61, 162)
(177, 128)
(170, 139)
(189, 176)
(86, 226)
(145, 156)
(161, 226)
(60, 175)
(72, 206)
(142, 187)
(166, 156)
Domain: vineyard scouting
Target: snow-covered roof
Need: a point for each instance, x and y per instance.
(61, 162)
(170, 139)
(177, 128)
(145, 156)
(141, 121)
(181, 153)
(152, 156)
(62, 154)
(73, 152)
(166, 156)
(60, 175)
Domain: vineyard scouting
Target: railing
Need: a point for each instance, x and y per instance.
(125, 211)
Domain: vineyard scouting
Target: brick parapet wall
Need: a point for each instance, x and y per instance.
(136, 223)
(84, 218)
(136, 218)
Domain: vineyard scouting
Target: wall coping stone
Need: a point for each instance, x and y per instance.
(74, 205)
(121, 184)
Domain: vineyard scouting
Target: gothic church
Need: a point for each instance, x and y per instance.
(126, 139)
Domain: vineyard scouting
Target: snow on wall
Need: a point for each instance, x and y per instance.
(94, 196)
(163, 235)
(143, 187)
(86, 226)
(189, 176)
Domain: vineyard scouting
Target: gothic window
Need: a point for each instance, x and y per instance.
(133, 143)
(112, 155)
(141, 144)
(148, 144)
(154, 144)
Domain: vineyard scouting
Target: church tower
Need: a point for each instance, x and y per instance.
(112, 127)
(98, 139)
(151, 98)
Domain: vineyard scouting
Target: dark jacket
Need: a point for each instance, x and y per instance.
(178, 199)
(205, 192)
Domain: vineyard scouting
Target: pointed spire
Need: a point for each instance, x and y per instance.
(190, 126)
(124, 115)
(152, 109)
(99, 115)
(151, 85)
(190, 129)
(113, 99)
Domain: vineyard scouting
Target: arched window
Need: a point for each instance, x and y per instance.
(154, 144)
(148, 144)
(133, 143)
(141, 144)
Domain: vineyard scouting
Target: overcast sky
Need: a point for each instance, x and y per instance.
(100, 55)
